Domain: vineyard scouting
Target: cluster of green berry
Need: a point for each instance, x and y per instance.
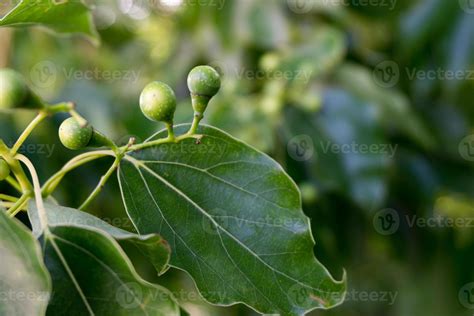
(157, 102)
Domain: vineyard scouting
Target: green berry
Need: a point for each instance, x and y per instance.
(15, 93)
(158, 102)
(204, 82)
(73, 135)
(4, 170)
(13, 90)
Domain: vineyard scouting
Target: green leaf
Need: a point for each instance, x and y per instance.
(25, 284)
(152, 246)
(234, 220)
(61, 16)
(93, 276)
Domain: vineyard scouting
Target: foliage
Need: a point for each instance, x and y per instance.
(294, 73)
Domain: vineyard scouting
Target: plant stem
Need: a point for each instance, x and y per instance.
(33, 124)
(15, 167)
(169, 127)
(18, 206)
(14, 183)
(8, 198)
(196, 120)
(53, 181)
(162, 141)
(43, 219)
(101, 183)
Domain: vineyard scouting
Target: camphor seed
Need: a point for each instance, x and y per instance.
(158, 102)
(74, 136)
(204, 82)
(4, 170)
(15, 93)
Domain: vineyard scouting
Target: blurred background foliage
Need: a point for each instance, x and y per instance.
(296, 73)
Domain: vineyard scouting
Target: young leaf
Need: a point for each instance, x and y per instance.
(155, 248)
(25, 283)
(61, 16)
(234, 221)
(92, 275)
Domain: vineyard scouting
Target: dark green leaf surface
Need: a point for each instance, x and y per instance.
(69, 16)
(234, 222)
(25, 285)
(93, 276)
(155, 248)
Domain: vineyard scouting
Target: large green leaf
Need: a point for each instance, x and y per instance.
(61, 16)
(93, 276)
(25, 284)
(155, 248)
(234, 221)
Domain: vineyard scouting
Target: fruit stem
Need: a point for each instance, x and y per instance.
(33, 124)
(8, 198)
(19, 204)
(51, 184)
(15, 167)
(196, 120)
(14, 183)
(101, 184)
(169, 127)
(43, 219)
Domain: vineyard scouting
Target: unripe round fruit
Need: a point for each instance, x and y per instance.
(74, 136)
(13, 89)
(15, 93)
(204, 81)
(158, 102)
(4, 170)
